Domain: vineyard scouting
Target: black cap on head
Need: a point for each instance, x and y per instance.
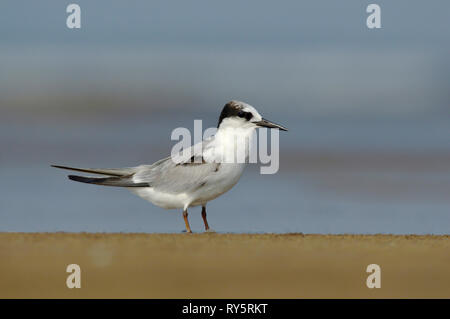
(234, 108)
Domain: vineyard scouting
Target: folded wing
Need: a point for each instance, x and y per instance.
(122, 177)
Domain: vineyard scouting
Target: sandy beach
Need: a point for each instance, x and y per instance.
(33, 265)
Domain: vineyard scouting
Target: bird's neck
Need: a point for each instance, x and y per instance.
(233, 144)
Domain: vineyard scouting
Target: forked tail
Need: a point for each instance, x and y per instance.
(122, 177)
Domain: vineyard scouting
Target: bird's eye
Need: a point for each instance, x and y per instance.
(241, 114)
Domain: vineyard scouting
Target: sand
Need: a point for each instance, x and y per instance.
(223, 265)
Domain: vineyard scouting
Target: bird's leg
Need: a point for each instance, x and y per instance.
(204, 218)
(185, 216)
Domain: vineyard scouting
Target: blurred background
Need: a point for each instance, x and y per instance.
(368, 111)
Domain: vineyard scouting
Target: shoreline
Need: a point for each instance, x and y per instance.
(211, 265)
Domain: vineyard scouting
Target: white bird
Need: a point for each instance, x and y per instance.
(196, 180)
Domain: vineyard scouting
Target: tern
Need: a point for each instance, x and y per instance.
(196, 180)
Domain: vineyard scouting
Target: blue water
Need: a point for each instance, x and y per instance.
(322, 199)
(368, 147)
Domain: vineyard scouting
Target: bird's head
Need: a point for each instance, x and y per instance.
(236, 114)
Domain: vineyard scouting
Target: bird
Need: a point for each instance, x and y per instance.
(195, 179)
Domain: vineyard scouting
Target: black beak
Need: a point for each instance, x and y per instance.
(269, 124)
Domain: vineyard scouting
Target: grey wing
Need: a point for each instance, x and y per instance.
(119, 177)
(168, 176)
(123, 181)
(101, 171)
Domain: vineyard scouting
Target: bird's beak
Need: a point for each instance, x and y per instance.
(269, 124)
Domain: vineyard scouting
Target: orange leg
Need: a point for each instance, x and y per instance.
(185, 216)
(204, 218)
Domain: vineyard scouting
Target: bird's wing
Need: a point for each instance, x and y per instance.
(120, 177)
(171, 177)
(123, 181)
(164, 175)
(101, 171)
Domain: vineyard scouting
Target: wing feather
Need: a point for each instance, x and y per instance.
(168, 176)
(124, 181)
(100, 171)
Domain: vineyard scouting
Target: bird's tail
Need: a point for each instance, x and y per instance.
(122, 177)
(101, 171)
